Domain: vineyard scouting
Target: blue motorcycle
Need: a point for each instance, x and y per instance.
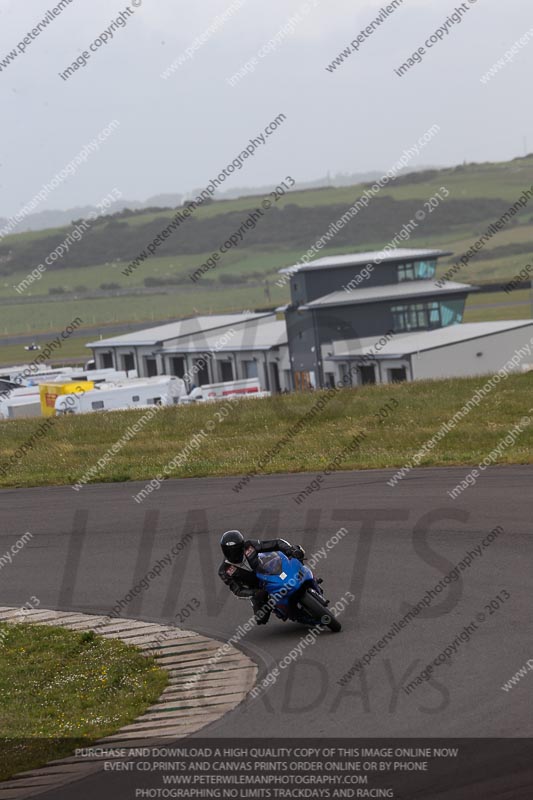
(293, 591)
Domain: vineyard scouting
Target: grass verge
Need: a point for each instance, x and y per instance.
(234, 441)
(61, 689)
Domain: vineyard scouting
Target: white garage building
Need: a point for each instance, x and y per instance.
(231, 346)
(221, 347)
(467, 349)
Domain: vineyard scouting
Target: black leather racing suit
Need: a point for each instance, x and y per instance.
(242, 580)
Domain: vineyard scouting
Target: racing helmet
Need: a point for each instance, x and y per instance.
(232, 544)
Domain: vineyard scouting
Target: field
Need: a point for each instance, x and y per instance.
(499, 305)
(43, 317)
(236, 438)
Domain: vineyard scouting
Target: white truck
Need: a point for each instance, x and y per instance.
(163, 390)
(229, 390)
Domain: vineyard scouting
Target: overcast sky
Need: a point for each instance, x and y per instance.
(176, 134)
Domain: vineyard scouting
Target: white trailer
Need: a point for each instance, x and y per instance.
(19, 397)
(31, 373)
(163, 390)
(108, 375)
(21, 407)
(25, 376)
(247, 387)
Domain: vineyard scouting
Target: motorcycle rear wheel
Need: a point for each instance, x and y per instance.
(320, 612)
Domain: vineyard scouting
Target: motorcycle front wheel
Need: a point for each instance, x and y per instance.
(319, 611)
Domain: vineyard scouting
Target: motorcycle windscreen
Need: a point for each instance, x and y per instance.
(269, 564)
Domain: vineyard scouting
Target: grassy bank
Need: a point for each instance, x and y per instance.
(233, 444)
(61, 689)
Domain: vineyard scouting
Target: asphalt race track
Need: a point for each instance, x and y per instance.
(89, 549)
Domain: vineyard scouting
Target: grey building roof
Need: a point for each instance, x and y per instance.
(150, 337)
(394, 291)
(262, 334)
(361, 259)
(408, 343)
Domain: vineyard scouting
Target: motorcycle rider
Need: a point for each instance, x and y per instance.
(240, 563)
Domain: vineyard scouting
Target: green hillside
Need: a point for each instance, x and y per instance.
(88, 280)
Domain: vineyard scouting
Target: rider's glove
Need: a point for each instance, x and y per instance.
(298, 552)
